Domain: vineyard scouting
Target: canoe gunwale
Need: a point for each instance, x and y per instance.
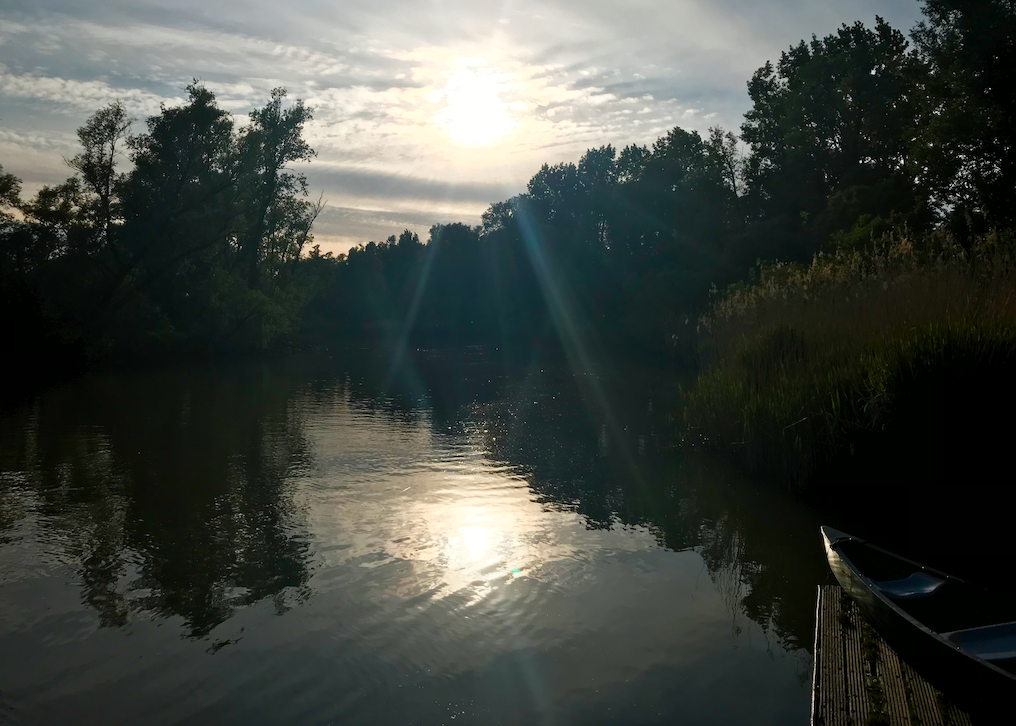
(888, 602)
(952, 663)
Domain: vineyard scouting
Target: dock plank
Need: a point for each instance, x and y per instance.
(856, 670)
(817, 692)
(835, 668)
(895, 686)
(858, 679)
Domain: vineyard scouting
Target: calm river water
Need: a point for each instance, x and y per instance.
(321, 540)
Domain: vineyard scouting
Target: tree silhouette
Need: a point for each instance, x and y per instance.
(201, 246)
(968, 131)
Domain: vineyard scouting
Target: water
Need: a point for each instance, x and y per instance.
(322, 540)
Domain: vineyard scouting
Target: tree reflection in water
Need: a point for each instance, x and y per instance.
(170, 490)
(174, 492)
(609, 453)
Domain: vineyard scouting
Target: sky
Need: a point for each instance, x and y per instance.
(425, 111)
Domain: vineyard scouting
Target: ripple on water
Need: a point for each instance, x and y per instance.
(243, 548)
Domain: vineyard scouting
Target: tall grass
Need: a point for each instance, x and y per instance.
(801, 362)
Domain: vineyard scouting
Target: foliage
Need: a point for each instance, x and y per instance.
(803, 360)
(608, 248)
(612, 249)
(967, 144)
(10, 194)
(851, 138)
(197, 247)
(831, 132)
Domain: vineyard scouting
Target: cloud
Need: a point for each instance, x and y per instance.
(368, 184)
(48, 143)
(392, 121)
(71, 96)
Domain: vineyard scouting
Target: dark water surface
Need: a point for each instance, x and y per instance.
(318, 540)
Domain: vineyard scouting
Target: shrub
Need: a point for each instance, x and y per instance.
(803, 361)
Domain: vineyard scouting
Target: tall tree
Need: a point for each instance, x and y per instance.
(272, 194)
(833, 114)
(724, 152)
(10, 195)
(968, 144)
(102, 138)
(179, 194)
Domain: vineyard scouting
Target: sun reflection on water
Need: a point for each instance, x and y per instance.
(475, 540)
(444, 523)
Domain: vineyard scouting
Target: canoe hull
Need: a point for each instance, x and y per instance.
(975, 685)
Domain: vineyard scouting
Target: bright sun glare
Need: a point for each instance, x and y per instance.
(474, 114)
(475, 540)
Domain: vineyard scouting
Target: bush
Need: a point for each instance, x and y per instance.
(803, 362)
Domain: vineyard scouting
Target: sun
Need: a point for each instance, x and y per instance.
(474, 114)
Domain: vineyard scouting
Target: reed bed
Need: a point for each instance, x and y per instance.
(802, 362)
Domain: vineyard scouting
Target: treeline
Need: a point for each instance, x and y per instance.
(880, 363)
(848, 137)
(197, 247)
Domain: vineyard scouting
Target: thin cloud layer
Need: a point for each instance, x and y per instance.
(424, 112)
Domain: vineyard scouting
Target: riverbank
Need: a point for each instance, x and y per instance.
(905, 347)
(878, 383)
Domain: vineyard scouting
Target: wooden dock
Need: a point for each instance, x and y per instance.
(858, 680)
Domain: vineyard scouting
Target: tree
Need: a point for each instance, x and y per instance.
(275, 214)
(724, 153)
(968, 141)
(179, 196)
(597, 172)
(831, 115)
(58, 220)
(631, 163)
(196, 247)
(12, 232)
(10, 195)
(102, 138)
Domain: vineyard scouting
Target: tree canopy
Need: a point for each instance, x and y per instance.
(197, 246)
(203, 241)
